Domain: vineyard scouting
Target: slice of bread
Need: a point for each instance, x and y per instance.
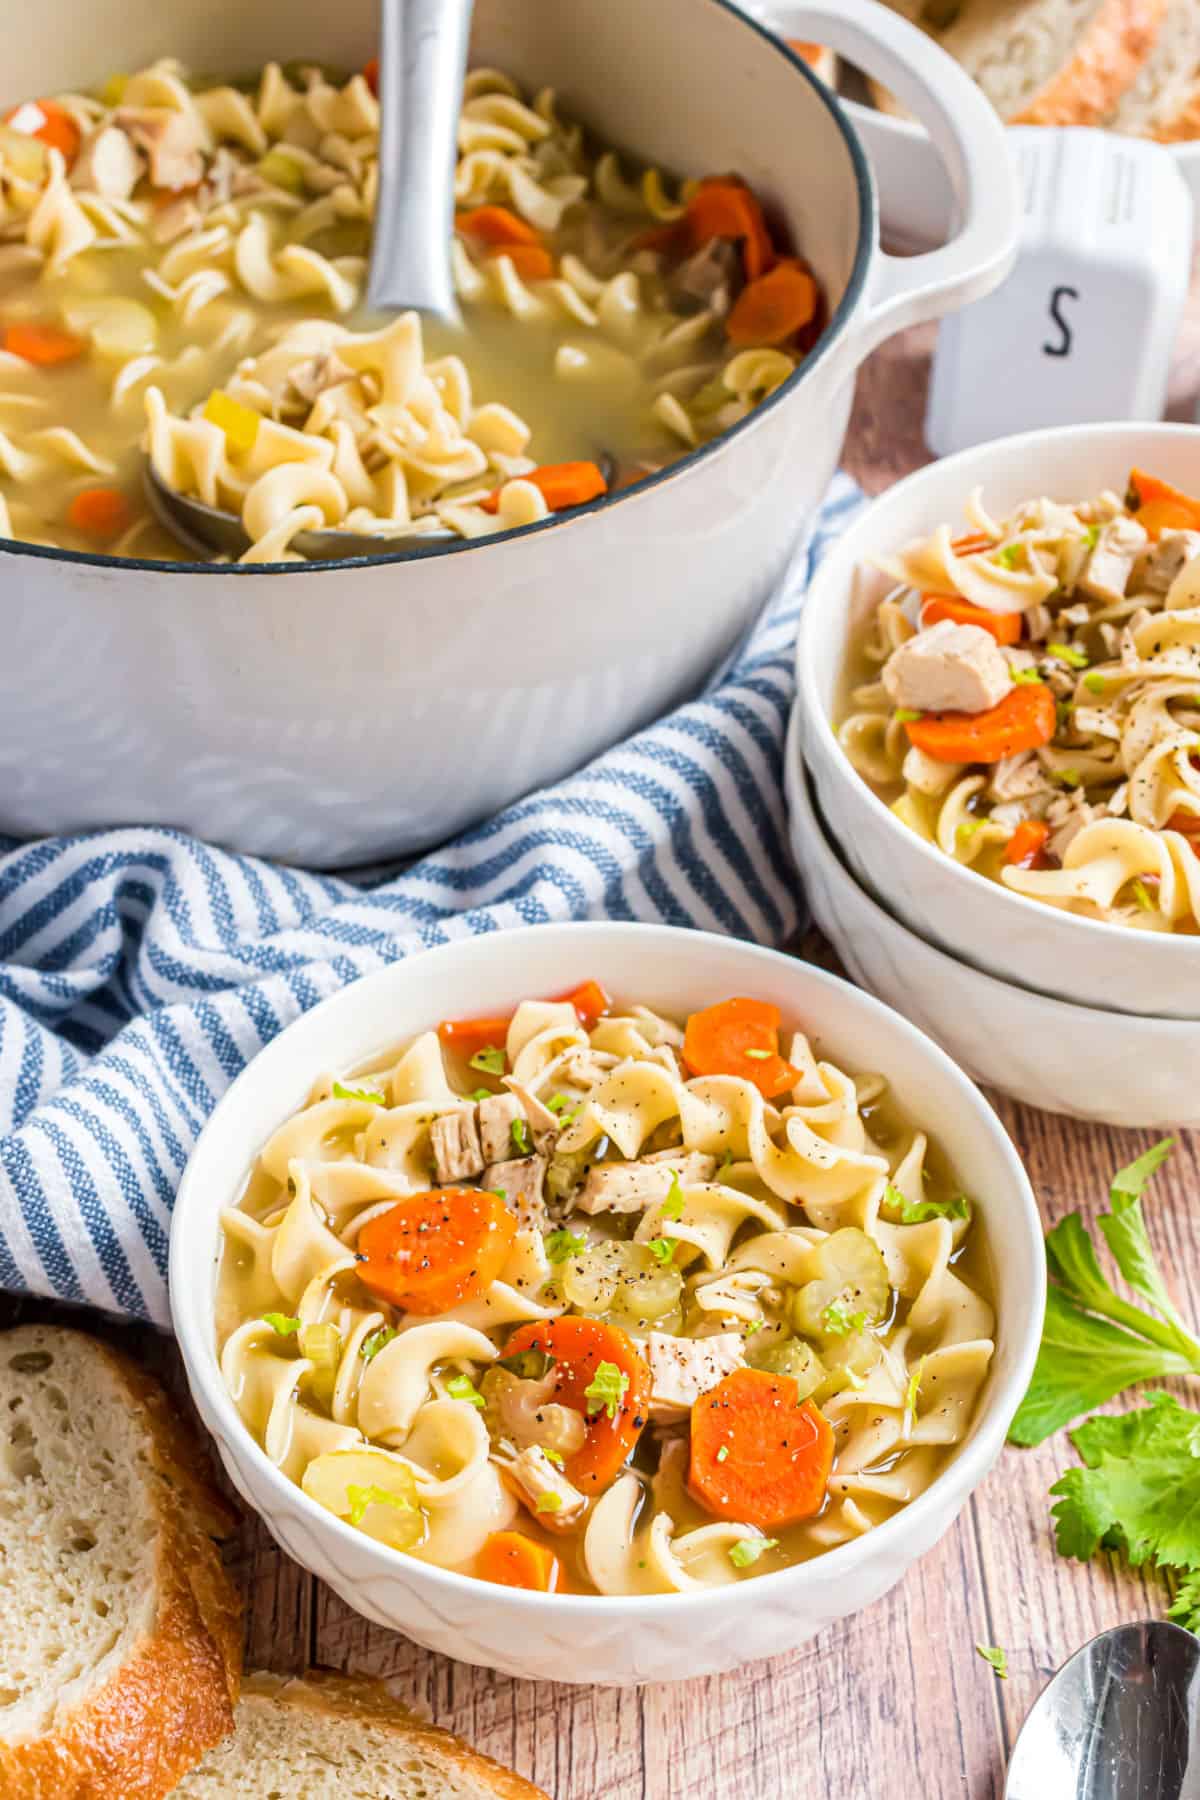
(1164, 101)
(1054, 62)
(120, 1647)
(336, 1737)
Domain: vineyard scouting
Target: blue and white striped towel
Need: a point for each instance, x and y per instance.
(140, 970)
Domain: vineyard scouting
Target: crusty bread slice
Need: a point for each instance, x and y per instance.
(335, 1737)
(1164, 101)
(120, 1651)
(1054, 62)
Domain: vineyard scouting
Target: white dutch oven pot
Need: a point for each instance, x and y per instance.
(339, 713)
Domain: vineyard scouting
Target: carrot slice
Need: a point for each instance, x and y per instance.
(467, 1037)
(50, 123)
(739, 1037)
(1187, 822)
(45, 345)
(811, 53)
(589, 1000)
(724, 207)
(371, 75)
(773, 308)
(432, 1251)
(495, 225)
(513, 1560)
(669, 239)
(1023, 720)
(970, 545)
(1159, 506)
(533, 262)
(589, 1353)
(1005, 627)
(758, 1452)
(100, 512)
(1024, 847)
(561, 484)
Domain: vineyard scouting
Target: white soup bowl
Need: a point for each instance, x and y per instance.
(1082, 961)
(560, 1637)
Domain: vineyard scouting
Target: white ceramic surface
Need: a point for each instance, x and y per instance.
(980, 921)
(1106, 1067)
(579, 1638)
(303, 712)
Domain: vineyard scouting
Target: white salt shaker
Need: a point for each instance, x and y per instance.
(1084, 327)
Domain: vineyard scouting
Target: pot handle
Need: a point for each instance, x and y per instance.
(967, 134)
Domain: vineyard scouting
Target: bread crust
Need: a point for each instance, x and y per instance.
(325, 1694)
(1106, 62)
(174, 1698)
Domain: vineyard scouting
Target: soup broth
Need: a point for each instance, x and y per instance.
(182, 265)
(675, 1311)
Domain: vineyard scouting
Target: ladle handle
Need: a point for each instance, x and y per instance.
(422, 64)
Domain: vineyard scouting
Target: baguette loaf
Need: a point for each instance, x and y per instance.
(1164, 101)
(121, 1643)
(332, 1737)
(1054, 62)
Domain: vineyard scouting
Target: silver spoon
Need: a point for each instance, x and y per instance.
(1119, 1721)
(422, 65)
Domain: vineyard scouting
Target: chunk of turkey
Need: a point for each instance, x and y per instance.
(949, 668)
(174, 142)
(456, 1150)
(631, 1187)
(520, 1180)
(1169, 557)
(108, 164)
(497, 1116)
(1107, 571)
(685, 1368)
(536, 1479)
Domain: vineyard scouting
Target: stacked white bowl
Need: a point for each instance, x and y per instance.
(1078, 1016)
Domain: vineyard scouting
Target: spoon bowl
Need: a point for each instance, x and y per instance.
(1119, 1721)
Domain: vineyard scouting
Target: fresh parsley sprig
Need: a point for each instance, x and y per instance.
(1095, 1342)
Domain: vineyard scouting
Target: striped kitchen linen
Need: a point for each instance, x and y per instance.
(140, 970)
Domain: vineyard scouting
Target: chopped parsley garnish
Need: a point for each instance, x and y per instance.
(567, 1113)
(968, 827)
(606, 1390)
(753, 1326)
(1091, 536)
(554, 1456)
(519, 1132)
(1025, 677)
(489, 1061)
(349, 1093)
(995, 1658)
(672, 1206)
(1011, 556)
(461, 1387)
(722, 1453)
(480, 1093)
(758, 1055)
(1094, 681)
(372, 1345)
(748, 1550)
(1142, 895)
(1069, 653)
(500, 1193)
(910, 1397)
(726, 1162)
(1069, 777)
(528, 1365)
(562, 1245)
(838, 1322)
(550, 1503)
(663, 1248)
(907, 715)
(362, 1497)
(281, 1324)
(917, 1212)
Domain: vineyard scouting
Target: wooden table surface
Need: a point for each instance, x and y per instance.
(894, 1702)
